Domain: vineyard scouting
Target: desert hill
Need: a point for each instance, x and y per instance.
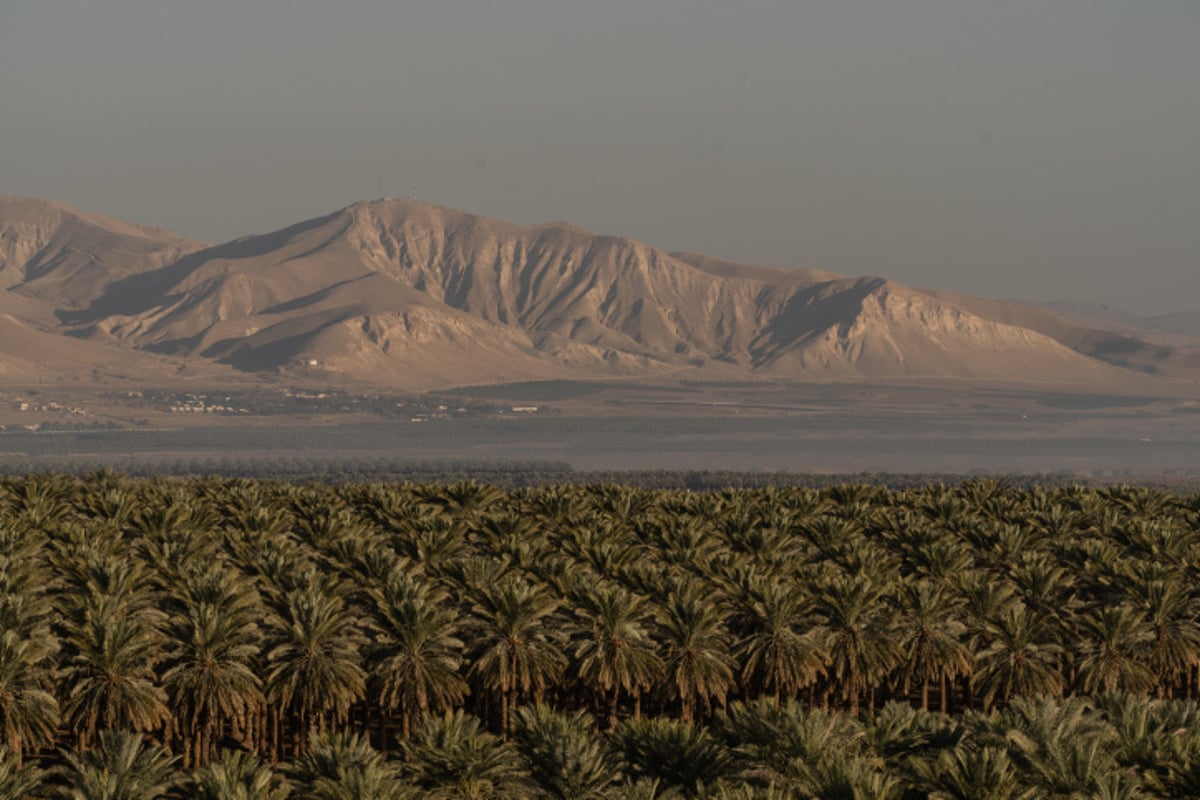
(69, 257)
(1123, 340)
(415, 296)
(54, 260)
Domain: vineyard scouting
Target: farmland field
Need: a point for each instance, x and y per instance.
(389, 640)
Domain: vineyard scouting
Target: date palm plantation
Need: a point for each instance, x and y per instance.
(262, 640)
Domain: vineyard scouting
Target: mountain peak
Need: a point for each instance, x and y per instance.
(414, 295)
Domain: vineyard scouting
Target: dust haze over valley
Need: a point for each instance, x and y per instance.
(400, 328)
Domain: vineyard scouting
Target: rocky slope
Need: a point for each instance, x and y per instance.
(69, 257)
(416, 296)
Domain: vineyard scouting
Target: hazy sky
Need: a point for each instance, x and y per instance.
(1045, 149)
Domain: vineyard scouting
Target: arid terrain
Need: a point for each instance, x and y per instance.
(400, 327)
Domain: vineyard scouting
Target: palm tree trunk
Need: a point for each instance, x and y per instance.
(299, 732)
(514, 689)
(275, 723)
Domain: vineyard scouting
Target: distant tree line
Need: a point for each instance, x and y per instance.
(514, 474)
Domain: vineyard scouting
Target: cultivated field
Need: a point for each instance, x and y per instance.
(224, 638)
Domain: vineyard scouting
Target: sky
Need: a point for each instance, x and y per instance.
(1033, 149)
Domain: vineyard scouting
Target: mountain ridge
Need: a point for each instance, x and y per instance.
(415, 296)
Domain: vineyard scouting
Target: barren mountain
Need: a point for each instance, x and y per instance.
(69, 257)
(55, 259)
(1122, 340)
(28, 352)
(30, 356)
(416, 296)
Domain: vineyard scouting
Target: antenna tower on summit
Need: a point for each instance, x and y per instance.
(382, 196)
(412, 192)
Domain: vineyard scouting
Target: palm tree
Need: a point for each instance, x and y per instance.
(1143, 731)
(1171, 617)
(783, 744)
(843, 777)
(743, 791)
(898, 733)
(237, 776)
(1045, 588)
(646, 789)
(973, 773)
(567, 759)
(1063, 748)
(321, 521)
(511, 536)
(614, 651)
(780, 652)
(683, 538)
(468, 501)
(26, 582)
(210, 675)
(451, 756)
(1172, 769)
(28, 710)
(1115, 786)
(104, 492)
(171, 535)
(108, 677)
(342, 766)
(101, 579)
(516, 652)
(861, 645)
(552, 505)
(1115, 639)
(673, 753)
(599, 544)
(696, 647)
(18, 780)
(759, 531)
(932, 639)
(1021, 661)
(42, 501)
(313, 664)
(434, 542)
(415, 654)
(122, 767)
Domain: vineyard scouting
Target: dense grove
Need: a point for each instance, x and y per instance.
(241, 640)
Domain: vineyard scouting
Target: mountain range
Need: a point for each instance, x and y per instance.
(411, 296)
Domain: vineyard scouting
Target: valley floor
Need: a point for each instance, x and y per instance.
(816, 428)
